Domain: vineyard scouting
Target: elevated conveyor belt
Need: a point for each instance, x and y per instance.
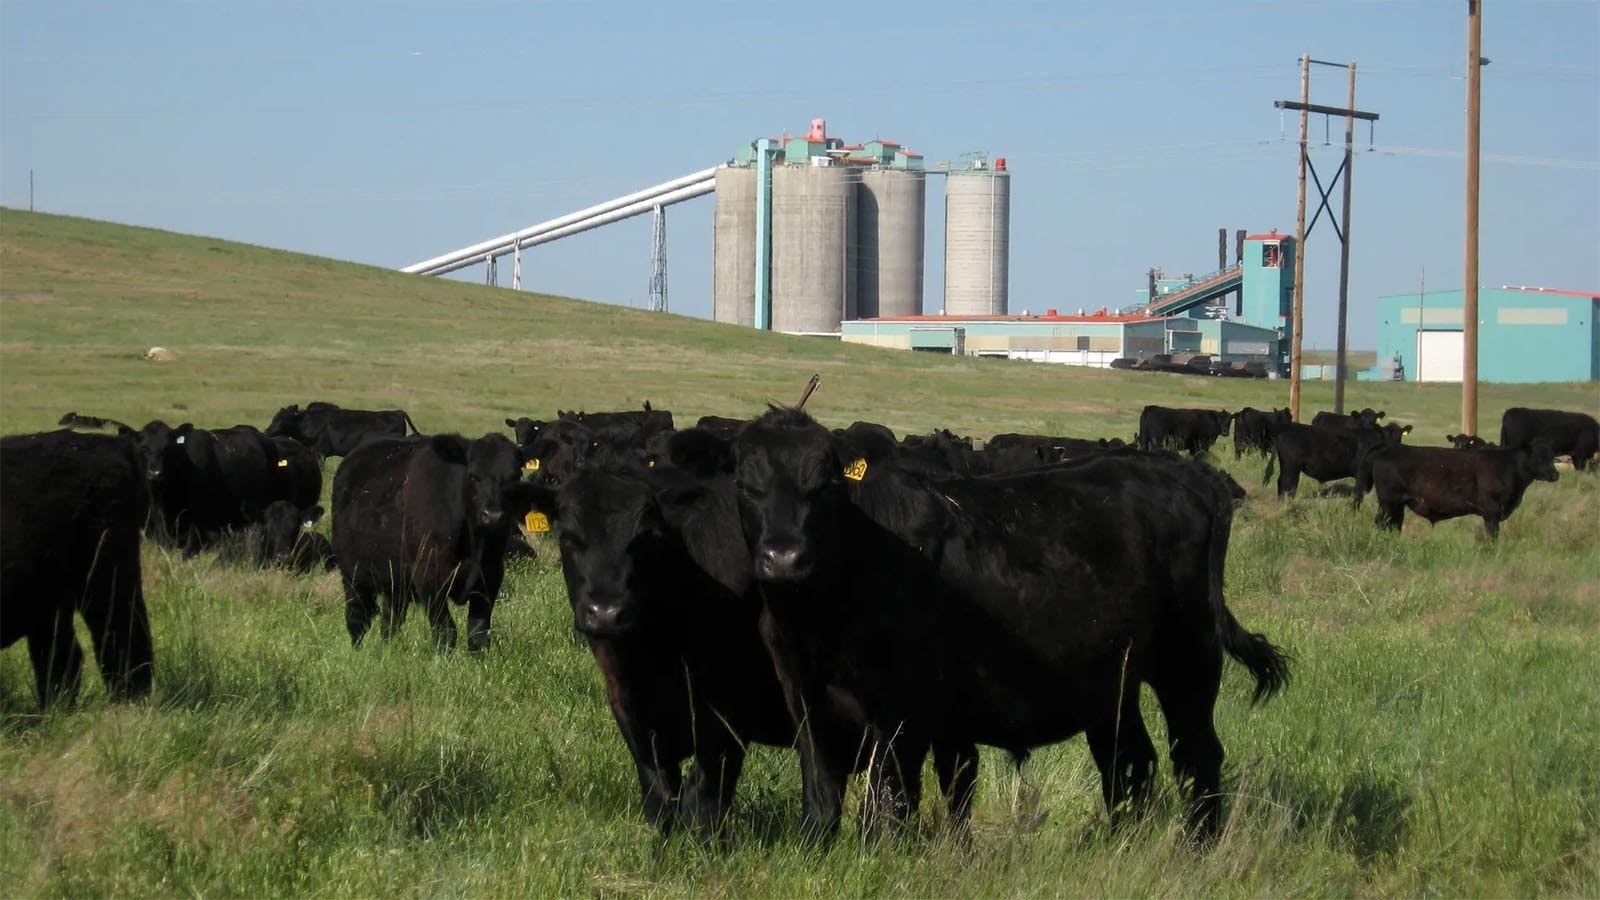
(1206, 289)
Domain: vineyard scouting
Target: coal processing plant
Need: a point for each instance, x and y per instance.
(813, 236)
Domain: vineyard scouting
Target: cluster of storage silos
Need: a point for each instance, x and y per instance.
(845, 238)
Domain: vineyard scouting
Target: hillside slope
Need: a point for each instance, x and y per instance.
(254, 328)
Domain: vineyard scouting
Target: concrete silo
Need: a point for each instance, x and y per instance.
(977, 239)
(892, 221)
(813, 246)
(733, 275)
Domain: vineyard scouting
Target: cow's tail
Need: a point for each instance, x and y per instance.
(411, 424)
(1267, 663)
(1272, 461)
(1363, 475)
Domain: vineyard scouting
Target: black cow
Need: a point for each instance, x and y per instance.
(205, 482)
(426, 519)
(334, 431)
(1568, 433)
(660, 583)
(75, 420)
(71, 506)
(527, 430)
(1194, 430)
(1440, 483)
(1361, 418)
(297, 473)
(1253, 429)
(1013, 611)
(628, 427)
(1469, 442)
(1325, 453)
(721, 426)
(660, 587)
(283, 539)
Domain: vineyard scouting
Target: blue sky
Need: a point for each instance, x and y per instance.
(391, 132)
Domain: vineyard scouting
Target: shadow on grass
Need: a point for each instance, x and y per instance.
(1366, 814)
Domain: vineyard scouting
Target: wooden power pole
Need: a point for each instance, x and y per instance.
(1298, 317)
(1469, 312)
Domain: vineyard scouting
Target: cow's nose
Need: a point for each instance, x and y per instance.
(601, 619)
(490, 517)
(782, 562)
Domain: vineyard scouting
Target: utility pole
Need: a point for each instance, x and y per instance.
(1299, 247)
(1344, 248)
(30, 190)
(1469, 312)
(1302, 230)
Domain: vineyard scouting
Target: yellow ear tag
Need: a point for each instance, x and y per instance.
(536, 522)
(283, 464)
(531, 465)
(651, 464)
(856, 470)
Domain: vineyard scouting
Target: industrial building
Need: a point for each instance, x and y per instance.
(1525, 334)
(1188, 315)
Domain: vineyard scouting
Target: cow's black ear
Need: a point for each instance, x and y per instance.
(511, 423)
(310, 516)
(647, 406)
(452, 448)
(700, 452)
(1406, 430)
(125, 431)
(184, 429)
(1381, 414)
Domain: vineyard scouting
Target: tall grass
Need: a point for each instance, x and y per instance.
(1439, 737)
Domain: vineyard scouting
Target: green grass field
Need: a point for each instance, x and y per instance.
(1441, 735)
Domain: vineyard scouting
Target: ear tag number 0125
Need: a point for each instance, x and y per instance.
(857, 470)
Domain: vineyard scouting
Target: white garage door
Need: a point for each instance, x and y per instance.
(1439, 356)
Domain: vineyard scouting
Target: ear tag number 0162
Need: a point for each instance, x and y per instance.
(857, 470)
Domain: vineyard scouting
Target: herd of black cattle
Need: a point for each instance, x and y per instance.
(864, 599)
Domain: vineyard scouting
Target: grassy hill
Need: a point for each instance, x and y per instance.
(1439, 736)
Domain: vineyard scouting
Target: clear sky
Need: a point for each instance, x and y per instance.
(389, 132)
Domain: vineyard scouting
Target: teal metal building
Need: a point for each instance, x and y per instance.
(1524, 335)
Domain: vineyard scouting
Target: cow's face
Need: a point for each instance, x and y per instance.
(1222, 420)
(527, 430)
(791, 490)
(163, 449)
(611, 534)
(1541, 461)
(289, 422)
(494, 466)
(281, 524)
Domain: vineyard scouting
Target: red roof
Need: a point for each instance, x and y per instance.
(1545, 290)
(1267, 236)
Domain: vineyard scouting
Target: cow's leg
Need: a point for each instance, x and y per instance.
(659, 783)
(113, 607)
(957, 768)
(708, 795)
(1186, 685)
(359, 608)
(57, 659)
(444, 625)
(894, 784)
(480, 608)
(1391, 512)
(1288, 480)
(823, 768)
(1125, 757)
(1491, 524)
